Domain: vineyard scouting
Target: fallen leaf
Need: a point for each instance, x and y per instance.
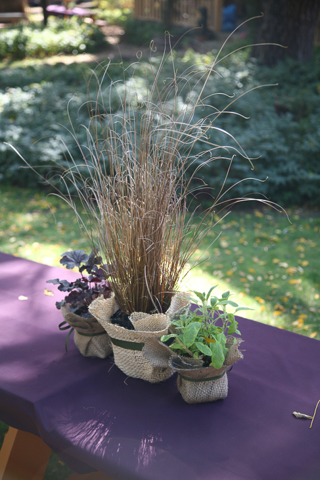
(22, 297)
(224, 244)
(313, 334)
(283, 265)
(275, 260)
(316, 296)
(251, 270)
(291, 270)
(258, 213)
(49, 293)
(262, 308)
(304, 263)
(259, 299)
(295, 281)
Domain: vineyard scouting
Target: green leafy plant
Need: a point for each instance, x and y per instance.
(85, 289)
(60, 36)
(203, 333)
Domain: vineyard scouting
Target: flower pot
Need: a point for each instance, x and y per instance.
(128, 344)
(201, 385)
(90, 338)
(198, 384)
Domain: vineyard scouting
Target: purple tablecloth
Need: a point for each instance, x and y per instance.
(93, 417)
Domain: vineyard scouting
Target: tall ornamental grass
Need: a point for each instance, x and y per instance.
(134, 179)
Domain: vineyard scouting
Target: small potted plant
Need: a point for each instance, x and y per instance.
(90, 338)
(201, 347)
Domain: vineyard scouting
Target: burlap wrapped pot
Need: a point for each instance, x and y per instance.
(89, 336)
(197, 384)
(128, 344)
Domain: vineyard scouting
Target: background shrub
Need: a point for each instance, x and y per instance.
(70, 36)
(282, 136)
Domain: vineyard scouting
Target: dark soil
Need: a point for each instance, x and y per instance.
(122, 319)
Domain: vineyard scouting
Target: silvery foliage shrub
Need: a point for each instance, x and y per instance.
(60, 36)
(281, 133)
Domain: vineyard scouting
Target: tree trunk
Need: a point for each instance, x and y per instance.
(291, 23)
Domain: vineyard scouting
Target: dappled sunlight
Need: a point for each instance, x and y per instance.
(268, 264)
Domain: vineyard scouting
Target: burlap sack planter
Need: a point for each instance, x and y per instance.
(197, 384)
(89, 336)
(202, 384)
(205, 384)
(128, 344)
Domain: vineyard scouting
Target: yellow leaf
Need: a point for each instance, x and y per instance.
(304, 263)
(224, 244)
(242, 295)
(49, 293)
(295, 281)
(209, 340)
(243, 280)
(277, 312)
(283, 265)
(22, 297)
(228, 252)
(313, 334)
(284, 299)
(259, 299)
(251, 270)
(229, 273)
(316, 296)
(291, 270)
(300, 248)
(280, 327)
(303, 315)
(262, 309)
(275, 260)
(258, 213)
(298, 323)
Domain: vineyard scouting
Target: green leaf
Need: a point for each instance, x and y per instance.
(226, 294)
(213, 301)
(233, 326)
(201, 296)
(243, 308)
(190, 333)
(209, 292)
(217, 356)
(164, 338)
(228, 302)
(221, 338)
(204, 349)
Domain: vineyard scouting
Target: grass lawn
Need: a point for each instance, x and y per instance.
(270, 264)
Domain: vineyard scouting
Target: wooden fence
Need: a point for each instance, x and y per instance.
(186, 12)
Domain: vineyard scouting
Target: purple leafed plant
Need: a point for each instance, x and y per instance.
(87, 288)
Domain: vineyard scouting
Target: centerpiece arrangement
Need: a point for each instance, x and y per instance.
(137, 181)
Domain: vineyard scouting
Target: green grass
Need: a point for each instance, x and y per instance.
(268, 263)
